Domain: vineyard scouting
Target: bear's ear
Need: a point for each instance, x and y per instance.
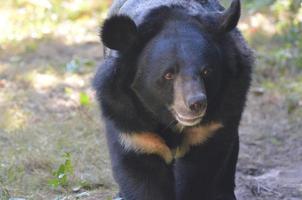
(222, 21)
(119, 33)
(230, 17)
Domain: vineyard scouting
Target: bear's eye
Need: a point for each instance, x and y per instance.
(169, 76)
(205, 72)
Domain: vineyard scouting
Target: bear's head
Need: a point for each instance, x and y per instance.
(180, 60)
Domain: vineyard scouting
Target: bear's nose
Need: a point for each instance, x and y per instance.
(197, 103)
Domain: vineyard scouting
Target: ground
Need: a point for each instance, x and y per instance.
(48, 109)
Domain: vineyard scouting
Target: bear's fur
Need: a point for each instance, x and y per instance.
(171, 93)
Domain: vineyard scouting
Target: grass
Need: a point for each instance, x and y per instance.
(47, 112)
(49, 50)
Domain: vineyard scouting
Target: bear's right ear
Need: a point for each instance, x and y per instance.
(119, 33)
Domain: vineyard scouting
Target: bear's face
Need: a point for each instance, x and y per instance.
(175, 71)
(179, 69)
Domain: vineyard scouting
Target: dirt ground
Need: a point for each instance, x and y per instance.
(270, 164)
(46, 120)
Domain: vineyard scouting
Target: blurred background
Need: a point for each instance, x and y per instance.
(51, 138)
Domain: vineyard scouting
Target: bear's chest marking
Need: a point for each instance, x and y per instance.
(151, 143)
(196, 136)
(146, 143)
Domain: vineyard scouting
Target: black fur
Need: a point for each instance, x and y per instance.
(207, 172)
(119, 33)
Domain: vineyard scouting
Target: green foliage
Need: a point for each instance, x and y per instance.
(4, 194)
(84, 99)
(62, 173)
(288, 16)
(277, 38)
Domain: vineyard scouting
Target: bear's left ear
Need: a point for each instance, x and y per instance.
(222, 21)
(119, 33)
(230, 17)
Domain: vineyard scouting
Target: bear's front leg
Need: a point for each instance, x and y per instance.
(142, 168)
(207, 171)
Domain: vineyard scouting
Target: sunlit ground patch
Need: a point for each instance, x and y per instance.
(44, 81)
(74, 80)
(13, 119)
(3, 67)
(34, 19)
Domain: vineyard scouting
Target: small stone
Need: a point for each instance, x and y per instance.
(76, 189)
(83, 194)
(258, 91)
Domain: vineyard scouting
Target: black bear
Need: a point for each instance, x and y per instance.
(172, 89)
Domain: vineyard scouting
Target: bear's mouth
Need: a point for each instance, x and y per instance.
(188, 120)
